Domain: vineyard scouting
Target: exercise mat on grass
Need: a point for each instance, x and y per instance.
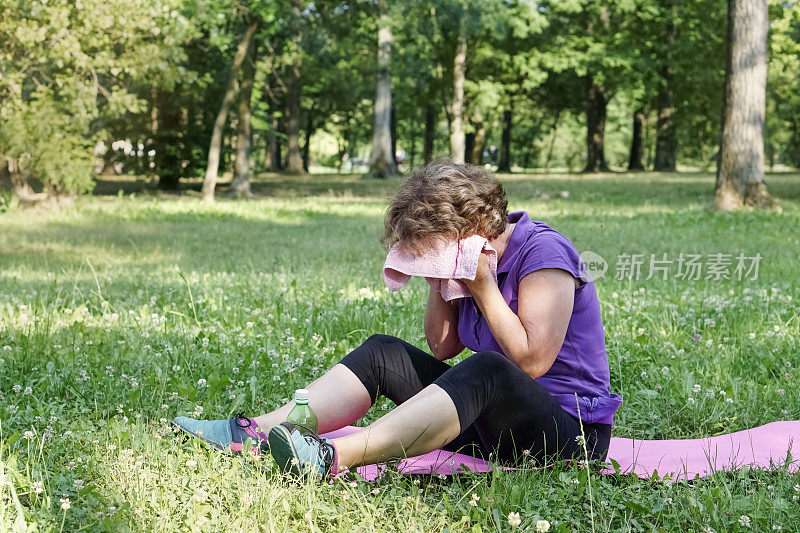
(769, 446)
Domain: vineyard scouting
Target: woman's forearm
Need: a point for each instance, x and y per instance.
(533, 336)
(508, 331)
(441, 327)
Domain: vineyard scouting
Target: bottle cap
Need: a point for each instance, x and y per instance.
(301, 396)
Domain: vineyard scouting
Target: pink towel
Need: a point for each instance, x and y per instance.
(442, 266)
(769, 446)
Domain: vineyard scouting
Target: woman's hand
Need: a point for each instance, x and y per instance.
(531, 337)
(484, 281)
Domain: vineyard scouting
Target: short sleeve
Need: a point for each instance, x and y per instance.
(550, 249)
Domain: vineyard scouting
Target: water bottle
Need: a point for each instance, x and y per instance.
(301, 413)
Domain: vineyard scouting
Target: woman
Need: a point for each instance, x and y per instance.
(538, 373)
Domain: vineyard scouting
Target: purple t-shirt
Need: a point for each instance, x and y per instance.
(581, 366)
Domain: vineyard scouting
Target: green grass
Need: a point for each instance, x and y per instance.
(112, 312)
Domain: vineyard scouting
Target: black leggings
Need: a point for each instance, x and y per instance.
(500, 408)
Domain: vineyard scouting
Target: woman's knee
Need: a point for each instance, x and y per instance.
(490, 361)
(379, 340)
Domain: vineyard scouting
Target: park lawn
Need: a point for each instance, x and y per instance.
(122, 312)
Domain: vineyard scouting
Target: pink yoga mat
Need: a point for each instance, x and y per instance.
(768, 446)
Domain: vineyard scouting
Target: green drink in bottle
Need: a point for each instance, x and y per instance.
(301, 413)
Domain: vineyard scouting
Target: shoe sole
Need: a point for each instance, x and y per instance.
(217, 446)
(283, 451)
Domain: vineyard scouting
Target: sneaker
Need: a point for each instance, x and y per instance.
(229, 435)
(300, 451)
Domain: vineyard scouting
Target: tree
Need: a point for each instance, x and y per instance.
(504, 162)
(596, 104)
(457, 103)
(382, 163)
(70, 74)
(666, 137)
(240, 184)
(637, 145)
(740, 173)
(215, 146)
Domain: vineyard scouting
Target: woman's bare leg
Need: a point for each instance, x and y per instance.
(425, 422)
(338, 398)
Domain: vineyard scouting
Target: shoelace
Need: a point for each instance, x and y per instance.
(323, 445)
(239, 417)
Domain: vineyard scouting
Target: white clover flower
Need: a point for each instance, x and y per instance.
(689, 401)
(37, 487)
(78, 484)
(744, 521)
(474, 500)
(781, 392)
(697, 388)
(728, 400)
(247, 499)
(64, 504)
(28, 390)
(201, 382)
(28, 435)
(514, 519)
(542, 526)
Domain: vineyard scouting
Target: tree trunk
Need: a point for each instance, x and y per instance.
(412, 151)
(740, 173)
(504, 163)
(294, 159)
(393, 132)
(549, 163)
(215, 147)
(457, 105)
(272, 151)
(309, 134)
(666, 137)
(167, 160)
(430, 132)
(269, 147)
(635, 160)
(469, 146)
(277, 154)
(240, 185)
(382, 163)
(480, 143)
(595, 127)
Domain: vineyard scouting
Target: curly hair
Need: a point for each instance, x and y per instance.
(445, 201)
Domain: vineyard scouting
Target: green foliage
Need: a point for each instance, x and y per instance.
(151, 74)
(88, 56)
